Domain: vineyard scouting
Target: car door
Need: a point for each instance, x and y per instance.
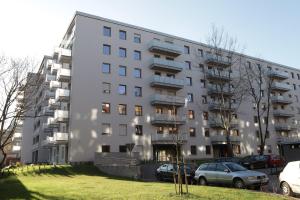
(295, 182)
(223, 174)
(210, 173)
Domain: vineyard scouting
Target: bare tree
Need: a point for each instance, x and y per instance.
(226, 86)
(13, 83)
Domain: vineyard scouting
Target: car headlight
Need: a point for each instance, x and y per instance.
(251, 178)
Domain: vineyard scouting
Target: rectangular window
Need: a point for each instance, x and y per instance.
(204, 99)
(105, 68)
(137, 38)
(106, 31)
(206, 132)
(138, 129)
(191, 114)
(122, 149)
(137, 91)
(188, 65)
(122, 70)
(105, 107)
(106, 129)
(186, 49)
(122, 89)
(202, 83)
(192, 132)
(122, 35)
(123, 129)
(292, 74)
(200, 52)
(190, 97)
(188, 81)
(106, 87)
(193, 150)
(207, 150)
(137, 55)
(138, 110)
(173, 130)
(205, 115)
(160, 130)
(137, 73)
(122, 52)
(105, 148)
(106, 49)
(255, 119)
(236, 149)
(201, 67)
(122, 109)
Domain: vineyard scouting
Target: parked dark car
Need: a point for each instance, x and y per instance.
(254, 162)
(166, 172)
(228, 159)
(275, 161)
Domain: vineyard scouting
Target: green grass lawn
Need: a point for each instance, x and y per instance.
(86, 182)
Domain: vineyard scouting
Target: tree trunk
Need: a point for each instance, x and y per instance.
(3, 159)
(229, 145)
(262, 149)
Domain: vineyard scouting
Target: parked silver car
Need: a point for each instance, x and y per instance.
(229, 173)
(289, 179)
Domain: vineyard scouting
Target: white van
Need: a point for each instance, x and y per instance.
(289, 178)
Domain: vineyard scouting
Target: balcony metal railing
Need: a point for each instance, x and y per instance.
(283, 113)
(278, 74)
(280, 100)
(63, 74)
(46, 111)
(213, 106)
(284, 127)
(165, 48)
(222, 139)
(53, 103)
(167, 138)
(217, 90)
(48, 94)
(168, 65)
(218, 75)
(280, 86)
(168, 82)
(217, 60)
(52, 123)
(64, 55)
(159, 99)
(50, 78)
(217, 123)
(167, 119)
(61, 115)
(287, 139)
(54, 85)
(62, 95)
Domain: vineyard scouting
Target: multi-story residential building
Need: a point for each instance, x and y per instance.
(110, 84)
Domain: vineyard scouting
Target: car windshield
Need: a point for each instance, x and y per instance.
(235, 167)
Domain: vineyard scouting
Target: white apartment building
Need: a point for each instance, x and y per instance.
(110, 84)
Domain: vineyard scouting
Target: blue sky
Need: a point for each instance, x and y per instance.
(269, 29)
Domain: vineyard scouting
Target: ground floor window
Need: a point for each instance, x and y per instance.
(106, 148)
(193, 150)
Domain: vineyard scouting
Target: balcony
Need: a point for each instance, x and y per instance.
(48, 94)
(64, 55)
(215, 75)
(49, 63)
(288, 139)
(53, 104)
(17, 136)
(159, 99)
(61, 115)
(52, 123)
(167, 65)
(166, 82)
(217, 123)
(222, 139)
(214, 90)
(46, 111)
(63, 75)
(16, 148)
(280, 86)
(165, 48)
(46, 128)
(278, 74)
(50, 78)
(218, 61)
(55, 67)
(283, 113)
(168, 138)
(62, 95)
(280, 100)
(54, 85)
(284, 127)
(216, 107)
(57, 138)
(161, 119)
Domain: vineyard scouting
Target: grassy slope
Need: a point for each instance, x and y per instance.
(86, 182)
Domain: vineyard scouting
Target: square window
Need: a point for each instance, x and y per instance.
(191, 114)
(122, 149)
(137, 91)
(186, 49)
(207, 149)
(106, 31)
(138, 129)
(137, 55)
(137, 38)
(122, 89)
(105, 148)
(123, 129)
(193, 150)
(122, 109)
(192, 132)
(137, 73)
(106, 87)
(122, 35)
(122, 70)
(106, 49)
(105, 107)
(106, 129)
(188, 81)
(138, 110)
(122, 52)
(190, 97)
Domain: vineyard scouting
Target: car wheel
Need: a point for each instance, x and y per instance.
(251, 166)
(238, 183)
(202, 181)
(286, 190)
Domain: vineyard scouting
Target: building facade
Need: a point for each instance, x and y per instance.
(111, 84)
